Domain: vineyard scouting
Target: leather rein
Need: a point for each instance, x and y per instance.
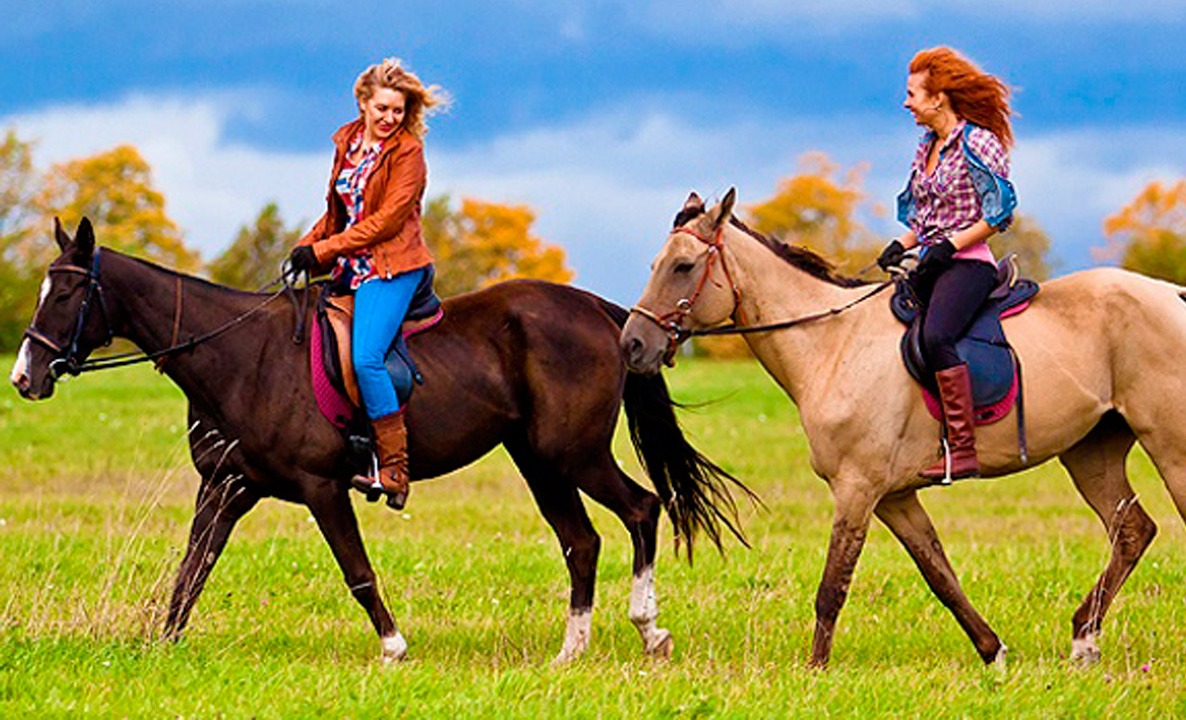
(672, 322)
(67, 361)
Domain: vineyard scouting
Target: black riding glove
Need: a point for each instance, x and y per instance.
(937, 258)
(302, 258)
(891, 255)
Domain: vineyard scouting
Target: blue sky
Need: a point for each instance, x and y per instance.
(601, 116)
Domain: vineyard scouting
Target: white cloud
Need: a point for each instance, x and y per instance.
(606, 188)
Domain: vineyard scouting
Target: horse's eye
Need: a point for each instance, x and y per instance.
(61, 298)
(683, 268)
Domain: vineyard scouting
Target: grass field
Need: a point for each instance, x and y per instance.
(95, 498)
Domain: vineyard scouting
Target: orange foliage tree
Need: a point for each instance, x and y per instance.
(1149, 234)
(483, 243)
(114, 189)
(814, 209)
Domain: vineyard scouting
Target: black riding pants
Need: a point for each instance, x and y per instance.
(950, 303)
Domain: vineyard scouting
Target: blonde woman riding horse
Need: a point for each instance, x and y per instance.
(1102, 351)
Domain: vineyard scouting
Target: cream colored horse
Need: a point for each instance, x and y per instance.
(1102, 352)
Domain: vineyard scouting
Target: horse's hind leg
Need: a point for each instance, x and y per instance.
(908, 521)
(1096, 464)
(639, 511)
(560, 504)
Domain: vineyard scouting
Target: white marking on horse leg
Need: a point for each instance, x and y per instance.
(998, 661)
(643, 612)
(20, 369)
(395, 648)
(576, 635)
(1084, 650)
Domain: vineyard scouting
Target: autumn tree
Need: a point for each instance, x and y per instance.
(114, 189)
(814, 209)
(22, 259)
(483, 243)
(254, 258)
(1149, 234)
(1031, 243)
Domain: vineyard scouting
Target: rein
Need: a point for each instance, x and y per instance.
(67, 362)
(672, 322)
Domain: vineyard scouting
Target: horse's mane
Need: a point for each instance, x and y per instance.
(798, 256)
(201, 281)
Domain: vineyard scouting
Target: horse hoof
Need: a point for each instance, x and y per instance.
(395, 649)
(1084, 651)
(397, 500)
(661, 645)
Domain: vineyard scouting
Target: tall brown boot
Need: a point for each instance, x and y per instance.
(955, 392)
(391, 447)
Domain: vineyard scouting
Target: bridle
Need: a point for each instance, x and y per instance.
(672, 322)
(68, 360)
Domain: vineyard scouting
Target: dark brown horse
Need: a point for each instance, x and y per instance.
(531, 365)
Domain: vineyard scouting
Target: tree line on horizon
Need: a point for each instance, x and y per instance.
(478, 243)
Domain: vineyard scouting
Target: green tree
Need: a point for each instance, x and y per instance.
(1149, 234)
(483, 243)
(1031, 243)
(114, 189)
(254, 258)
(22, 259)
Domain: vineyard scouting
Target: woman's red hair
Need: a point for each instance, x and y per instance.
(975, 95)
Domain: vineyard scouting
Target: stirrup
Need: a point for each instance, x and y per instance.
(371, 486)
(946, 479)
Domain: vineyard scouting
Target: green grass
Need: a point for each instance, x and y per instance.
(95, 498)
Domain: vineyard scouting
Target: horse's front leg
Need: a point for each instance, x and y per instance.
(329, 502)
(222, 499)
(854, 509)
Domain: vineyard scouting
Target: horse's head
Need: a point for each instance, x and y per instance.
(69, 321)
(689, 287)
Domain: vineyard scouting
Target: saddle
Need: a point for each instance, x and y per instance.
(334, 383)
(992, 364)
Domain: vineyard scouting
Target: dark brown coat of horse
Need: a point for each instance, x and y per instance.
(531, 365)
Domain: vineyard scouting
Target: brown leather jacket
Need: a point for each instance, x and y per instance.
(390, 223)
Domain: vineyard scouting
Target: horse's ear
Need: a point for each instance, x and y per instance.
(694, 202)
(60, 236)
(84, 239)
(724, 210)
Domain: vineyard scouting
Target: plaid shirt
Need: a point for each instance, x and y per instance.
(350, 185)
(946, 200)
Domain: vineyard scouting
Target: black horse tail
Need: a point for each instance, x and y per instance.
(695, 491)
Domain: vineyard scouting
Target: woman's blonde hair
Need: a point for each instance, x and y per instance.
(974, 94)
(391, 74)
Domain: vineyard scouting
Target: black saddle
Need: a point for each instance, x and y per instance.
(991, 362)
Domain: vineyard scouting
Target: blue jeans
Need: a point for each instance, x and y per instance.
(379, 309)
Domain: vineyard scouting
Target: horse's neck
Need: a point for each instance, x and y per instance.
(804, 357)
(157, 309)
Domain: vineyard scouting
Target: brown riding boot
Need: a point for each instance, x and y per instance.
(955, 392)
(391, 447)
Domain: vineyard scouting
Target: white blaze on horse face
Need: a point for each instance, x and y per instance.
(576, 635)
(21, 368)
(46, 285)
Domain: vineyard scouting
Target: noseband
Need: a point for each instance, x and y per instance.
(67, 360)
(672, 322)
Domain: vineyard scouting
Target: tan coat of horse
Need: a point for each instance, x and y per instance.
(1102, 352)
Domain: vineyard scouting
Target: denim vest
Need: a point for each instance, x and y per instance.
(997, 196)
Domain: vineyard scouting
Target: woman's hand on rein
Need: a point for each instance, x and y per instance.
(302, 258)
